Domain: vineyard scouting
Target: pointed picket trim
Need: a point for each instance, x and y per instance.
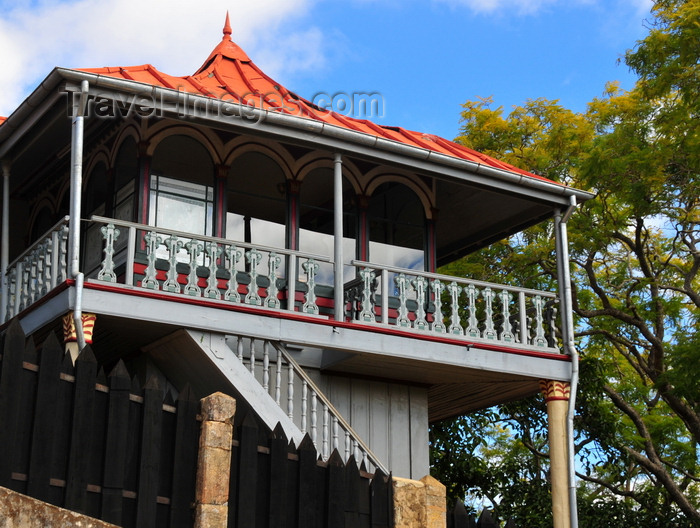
(486, 520)
(93, 442)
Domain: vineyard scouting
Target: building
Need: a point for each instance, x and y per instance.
(222, 231)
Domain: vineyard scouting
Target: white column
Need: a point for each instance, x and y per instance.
(338, 237)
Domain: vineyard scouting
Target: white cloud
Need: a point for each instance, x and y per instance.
(520, 7)
(529, 7)
(173, 35)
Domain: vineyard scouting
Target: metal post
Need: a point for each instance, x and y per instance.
(560, 276)
(5, 248)
(338, 237)
(565, 294)
(76, 183)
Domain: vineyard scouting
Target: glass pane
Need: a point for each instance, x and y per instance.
(182, 206)
(235, 227)
(322, 244)
(401, 257)
(267, 233)
(181, 214)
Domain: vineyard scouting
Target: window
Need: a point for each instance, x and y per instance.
(94, 203)
(181, 195)
(125, 173)
(256, 199)
(396, 227)
(181, 205)
(316, 229)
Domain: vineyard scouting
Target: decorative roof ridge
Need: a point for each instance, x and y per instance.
(227, 48)
(228, 73)
(119, 69)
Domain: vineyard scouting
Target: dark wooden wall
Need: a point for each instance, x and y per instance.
(109, 448)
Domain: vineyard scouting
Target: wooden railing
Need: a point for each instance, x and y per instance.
(38, 270)
(285, 381)
(441, 304)
(208, 267)
(219, 269)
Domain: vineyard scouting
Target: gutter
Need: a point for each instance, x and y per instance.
(319, 129)
(76, 184)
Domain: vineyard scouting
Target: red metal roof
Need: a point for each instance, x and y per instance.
(2, 120)
(229, 74)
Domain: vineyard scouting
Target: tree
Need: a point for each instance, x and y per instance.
(635, 262)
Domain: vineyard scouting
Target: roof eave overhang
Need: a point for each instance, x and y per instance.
(284, 126)
(30, 111)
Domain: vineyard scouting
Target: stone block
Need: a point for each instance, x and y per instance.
(218, 407)
(216, 435)
(211, 516)
(419, 504)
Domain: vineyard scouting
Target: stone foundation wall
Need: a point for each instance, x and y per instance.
(20, 511)
(419, 503)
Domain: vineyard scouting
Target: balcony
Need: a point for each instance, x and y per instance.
(227, 274)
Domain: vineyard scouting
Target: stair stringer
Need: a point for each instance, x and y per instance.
(215, 348)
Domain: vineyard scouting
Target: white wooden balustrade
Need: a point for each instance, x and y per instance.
(213, 268)
(441, 304)
(184, 261)
(38, 270)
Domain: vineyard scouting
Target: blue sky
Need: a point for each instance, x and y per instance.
(425, 57)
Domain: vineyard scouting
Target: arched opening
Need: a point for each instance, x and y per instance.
(43, 221)
(256, 201)
(125, 177)
(181, 192)
(396, 227)
(94, 203)
(316, 226)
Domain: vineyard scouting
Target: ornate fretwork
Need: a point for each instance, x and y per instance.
(438, 325)
(233, 255)
(174, 246)
(110, 234)
(420, 283)
(272, 299)
(153, 241)
(253, 256)
(555, 390)
(194, 249)
(454, 290)
(402, 320)
(310, 267)
(69, 333)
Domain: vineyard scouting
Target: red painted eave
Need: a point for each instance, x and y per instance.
(2, 120)
(228, 73)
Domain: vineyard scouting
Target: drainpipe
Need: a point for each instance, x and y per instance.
(76, 184)
(568, 337)
(338, 237)
(5, 247)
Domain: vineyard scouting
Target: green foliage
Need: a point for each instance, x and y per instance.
(635, 262)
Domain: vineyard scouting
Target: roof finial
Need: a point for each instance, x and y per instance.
(227, 29)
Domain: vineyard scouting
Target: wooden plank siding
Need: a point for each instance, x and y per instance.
(107, 447)
(100, 446)
(278, 485)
